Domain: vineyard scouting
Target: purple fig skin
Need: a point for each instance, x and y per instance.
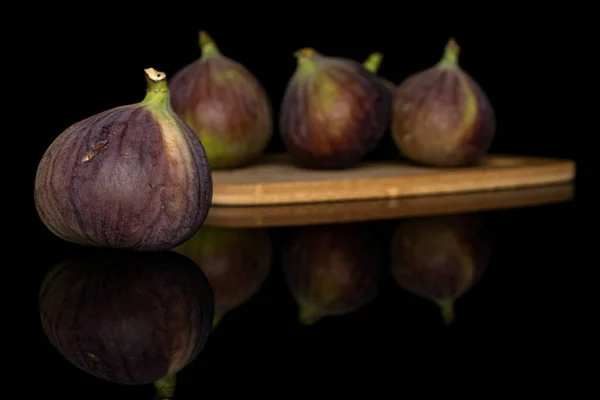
(334, 111)
(133, 177)
(127, 317)
(331, 269)
(236, 262)
(226, 105)
(440, 258)
(441, 115)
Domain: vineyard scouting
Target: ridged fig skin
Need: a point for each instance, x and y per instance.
(331, 269)
(236, 262)
(125, 179)
(440, 258)
(127, 317)
(227, 107)
(443, 118)
(331, 117)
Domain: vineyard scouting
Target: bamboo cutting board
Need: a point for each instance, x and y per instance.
(275, 180)
(381, 209)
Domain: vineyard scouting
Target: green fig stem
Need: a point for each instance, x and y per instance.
(447, 309)
(208, 46)
(165, 387)
(451, 53)
(373, 62)
(157, 89)
(306, 59)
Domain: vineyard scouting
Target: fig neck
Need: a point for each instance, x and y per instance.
(207, 46)
(373, 62)
(451, 53)
(157, 88)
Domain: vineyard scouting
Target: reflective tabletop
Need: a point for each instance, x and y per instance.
(313, 295)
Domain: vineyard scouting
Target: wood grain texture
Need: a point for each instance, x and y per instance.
(381, 209)
(275, 180)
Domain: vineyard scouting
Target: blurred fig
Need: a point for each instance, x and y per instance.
(225, 105)
(331, 269)
(440, 258)
(441, 116)
(236, 262)
(334, 111)
(128, 317)
(133, 177)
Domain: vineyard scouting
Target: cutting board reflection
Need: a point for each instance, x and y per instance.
(382, 209)
(275, 180)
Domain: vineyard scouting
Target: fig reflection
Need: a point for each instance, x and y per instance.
(128, 317)
(331, 269)
(236, 262)
(440, 258)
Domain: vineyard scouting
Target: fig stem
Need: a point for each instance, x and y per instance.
(208, 46)
(373, 62)
(157, 88)
(306, 57)
(451, 53)
(304, 53)
(165, 387)
(447, 310)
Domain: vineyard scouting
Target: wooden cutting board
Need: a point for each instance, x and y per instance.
(275, 180)
(381, 209)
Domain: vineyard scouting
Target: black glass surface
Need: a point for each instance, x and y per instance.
(320, 302)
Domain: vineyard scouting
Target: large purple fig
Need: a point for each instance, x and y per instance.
(441, 116)
(334, 111)
(440, 258)
(128, 317)
(331, 269)
(236, 262)
(133, 177)
(225, 104)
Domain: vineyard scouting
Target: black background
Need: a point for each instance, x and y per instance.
(521, 318)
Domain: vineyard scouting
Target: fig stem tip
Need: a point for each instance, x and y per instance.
(447, 310)
(154, 75)
(373, 62)
(308, 316)
(207, 44)
(451, 53)
(305, 52)
(157, 88)
(452, 45)
(204, 38)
